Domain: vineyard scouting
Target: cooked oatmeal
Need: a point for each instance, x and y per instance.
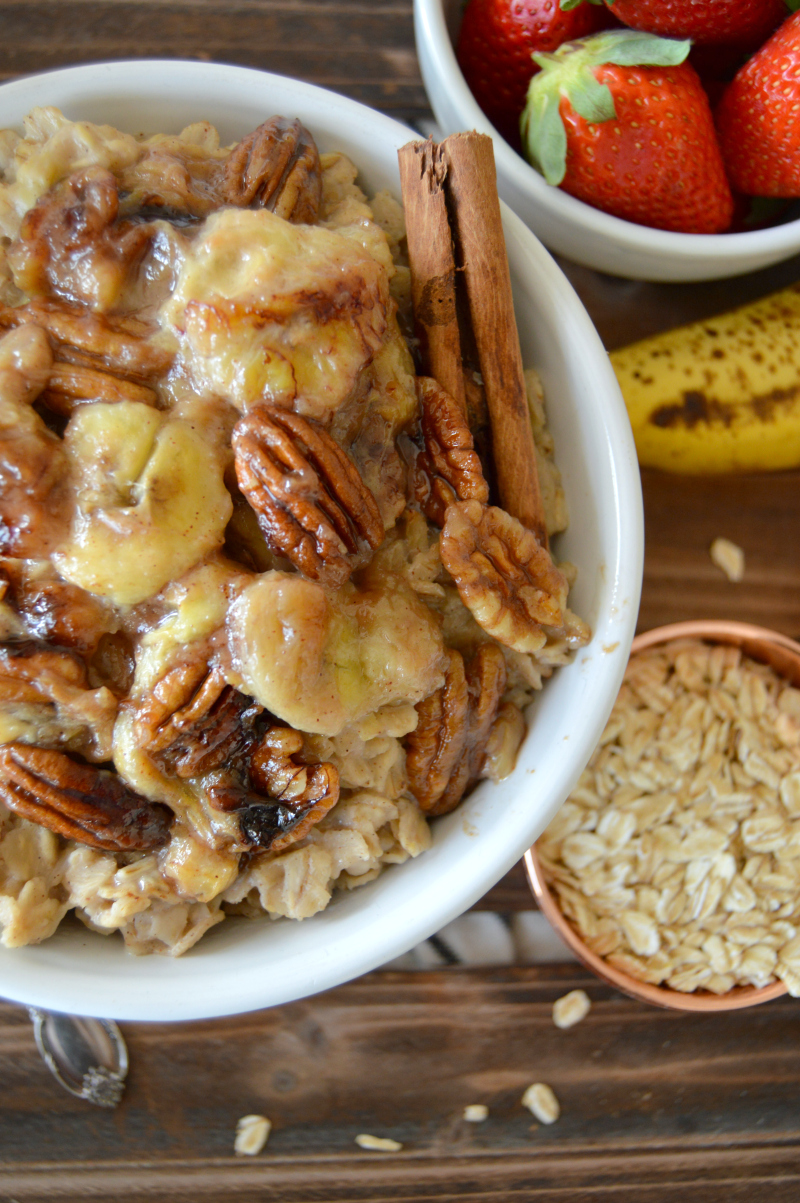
(235, 674)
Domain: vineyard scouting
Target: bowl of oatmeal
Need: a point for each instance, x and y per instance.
(231, 654)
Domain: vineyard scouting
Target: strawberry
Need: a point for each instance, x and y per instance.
(495, 45)
(757, 118)
(621, 121)
(746, 23)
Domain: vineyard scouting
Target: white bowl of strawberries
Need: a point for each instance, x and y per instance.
(654, 150)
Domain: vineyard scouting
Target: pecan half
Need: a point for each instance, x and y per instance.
(79, 801)
(435, 749)
(192, 722)
(447, 469)
(119, 344)
(29, 668)
(45, 689)
(35, 497)
(311, 503)
(286, 797)
(506, 579)
(71, 384)
(53, 610)
(276, 167)
(446, 751)
(71, 245)
(486, 683)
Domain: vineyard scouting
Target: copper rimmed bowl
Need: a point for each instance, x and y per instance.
(768, 647)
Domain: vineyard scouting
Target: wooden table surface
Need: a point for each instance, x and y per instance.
(655, 1106)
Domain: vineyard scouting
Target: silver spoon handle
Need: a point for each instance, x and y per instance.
(88, 1057)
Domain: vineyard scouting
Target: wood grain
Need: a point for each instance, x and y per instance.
(653, 1103)
(361, 48)
(683, 514)
(657, 1107)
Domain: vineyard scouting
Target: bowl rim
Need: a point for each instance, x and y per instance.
(749, 637)
(39, 979)
(772, 241)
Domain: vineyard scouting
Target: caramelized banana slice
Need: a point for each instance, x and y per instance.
(319, 659)
(152, 501)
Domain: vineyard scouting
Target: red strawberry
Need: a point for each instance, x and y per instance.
(757, 118)
(622, 122)
(495, 45)
(744, 22)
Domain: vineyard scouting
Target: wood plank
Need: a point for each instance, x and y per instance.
(512, 893)
(365, 51)
(683, 515)
(653, 1102)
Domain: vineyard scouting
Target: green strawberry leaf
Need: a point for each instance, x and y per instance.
(591, 99)
(567, 5)
(568, 73)
(544, 136)
(793, 5)
(629, 48)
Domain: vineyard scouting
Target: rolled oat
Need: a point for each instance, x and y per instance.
(378, 1144)
(541, 1101)
(571, 1008)
(252, 1133)
(677, 857)
(476, 1113)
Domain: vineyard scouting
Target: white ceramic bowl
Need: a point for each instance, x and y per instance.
(244, 964)
(565, 224)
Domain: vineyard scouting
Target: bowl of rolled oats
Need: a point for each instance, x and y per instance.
(673, 869)
(285, 684)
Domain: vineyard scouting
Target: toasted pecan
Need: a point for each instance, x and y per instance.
(72, 384)
(276, 167)
(35, 503)
(119, 344)
(54, 610)
(47, 687)
(79, 801)
(311, 503)
(445, 753)
(310, 790)
(486, 683)
(35, 496)
(447, 468)
(507, 579)
(192, 722)
(285, 798)
(435, 749)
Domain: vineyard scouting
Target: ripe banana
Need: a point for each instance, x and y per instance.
(721, 395)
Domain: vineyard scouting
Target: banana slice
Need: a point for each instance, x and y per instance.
(151, 501)
(321, 659)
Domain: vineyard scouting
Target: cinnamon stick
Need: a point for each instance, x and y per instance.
(432, 263)
(478, 232)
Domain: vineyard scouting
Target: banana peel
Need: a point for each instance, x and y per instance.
(721, 395)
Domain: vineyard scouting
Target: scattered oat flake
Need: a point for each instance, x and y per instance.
(571, 1008)
(476, 1113)
(729, 557)
(378, 1144)
(541, 1101)
(252, 1133)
